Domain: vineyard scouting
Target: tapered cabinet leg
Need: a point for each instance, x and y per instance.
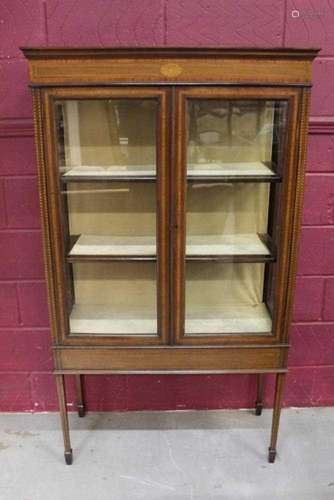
(60, 381)
(80, 395)
(259, 393)
(280, 378)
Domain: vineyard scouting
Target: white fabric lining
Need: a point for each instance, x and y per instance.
(235, 318)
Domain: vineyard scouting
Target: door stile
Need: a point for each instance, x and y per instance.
(172, 210)
(178, 222)
(163, 211)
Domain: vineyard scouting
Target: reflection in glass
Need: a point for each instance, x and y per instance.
(233, 137)
(108, 137)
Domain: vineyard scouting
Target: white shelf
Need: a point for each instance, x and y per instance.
(235, 244)
(229, 319)
(231, 168)
(114, 245)
(229, 244)
(235, 169)
(102, 320)
(114, 171)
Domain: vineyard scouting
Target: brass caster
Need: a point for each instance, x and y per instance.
(68, 457)
(258, 408)
(81, 411)
(271, 455)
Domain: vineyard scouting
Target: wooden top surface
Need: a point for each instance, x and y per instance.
(63, 52)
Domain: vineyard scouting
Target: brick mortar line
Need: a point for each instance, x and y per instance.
(285, 19)
(321, 174)
(325, 276)
(20, 329)
(3, 195)
(19, 229)
(318, 226)
(18, 176)
(23, 280)
(14, 230)
(312, 323)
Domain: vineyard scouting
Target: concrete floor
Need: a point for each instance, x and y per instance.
(214, 455)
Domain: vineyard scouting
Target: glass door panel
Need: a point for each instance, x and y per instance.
(225, 298)
(108, 137)
(227, 219)
(236, 138)
(111, 175)
(114, 298)
(233, 161)
(111, 219)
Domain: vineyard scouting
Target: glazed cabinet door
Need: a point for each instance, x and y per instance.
(108, 165)
(232, 182)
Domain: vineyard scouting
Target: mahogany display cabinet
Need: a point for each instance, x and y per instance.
(171, 185)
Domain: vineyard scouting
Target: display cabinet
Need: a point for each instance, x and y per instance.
(171, 186)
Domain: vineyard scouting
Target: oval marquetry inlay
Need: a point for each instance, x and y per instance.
(171, 69)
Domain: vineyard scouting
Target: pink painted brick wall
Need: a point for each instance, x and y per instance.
(25, 359)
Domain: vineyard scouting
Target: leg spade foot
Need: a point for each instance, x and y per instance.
(271, 455)
(258, 408)
(68, 457)
(81, 411)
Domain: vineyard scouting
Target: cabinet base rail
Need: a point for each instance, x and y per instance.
(79, 383)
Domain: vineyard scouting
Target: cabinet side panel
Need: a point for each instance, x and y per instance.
(56, 225)
(300, 155)
(43, 199)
